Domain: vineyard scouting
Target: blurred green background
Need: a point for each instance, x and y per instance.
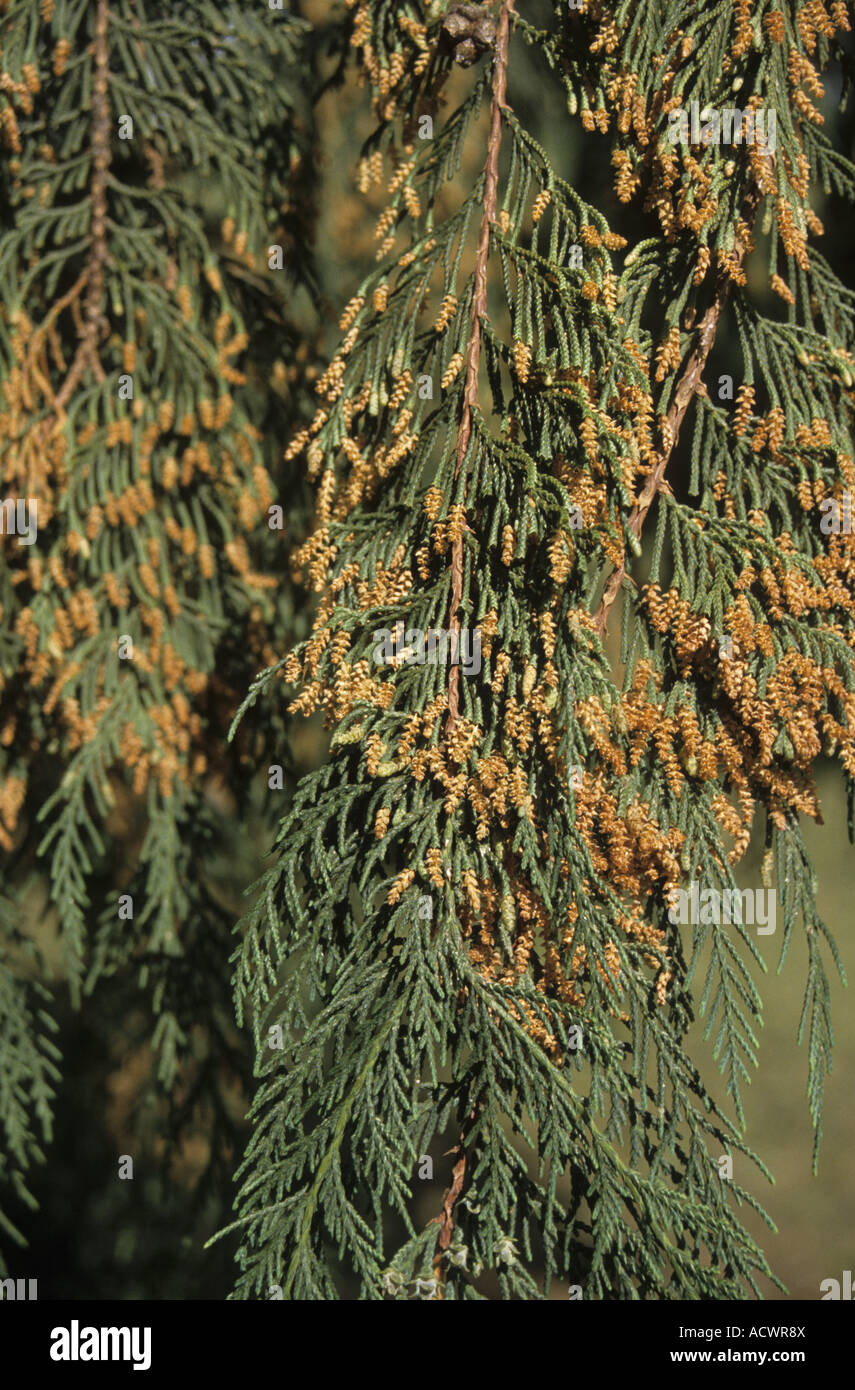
(815, 1216)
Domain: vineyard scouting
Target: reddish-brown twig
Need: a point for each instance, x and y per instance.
(87, 351)
(479, 308)
(690, 383)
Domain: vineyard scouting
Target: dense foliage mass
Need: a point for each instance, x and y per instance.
(486, 862)
(582, 603)
(133, 330)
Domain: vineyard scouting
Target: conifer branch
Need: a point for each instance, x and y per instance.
(690, 385)
(127, 337)
(479, 308)
(465, 904)
(458, 1176)
(87, 349)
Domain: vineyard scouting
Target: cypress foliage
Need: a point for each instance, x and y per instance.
(468, 935)
(154, 172)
